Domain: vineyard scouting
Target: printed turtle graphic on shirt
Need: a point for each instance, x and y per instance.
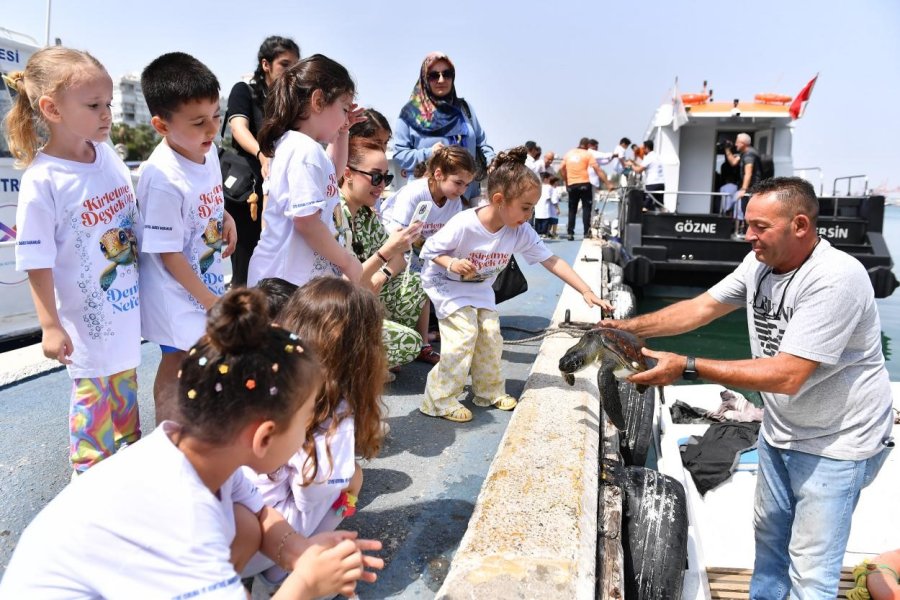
(212, 237)
(119, 246)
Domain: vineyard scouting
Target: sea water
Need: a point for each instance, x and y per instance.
(727, 338)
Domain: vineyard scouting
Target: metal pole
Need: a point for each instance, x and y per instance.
(47, 31)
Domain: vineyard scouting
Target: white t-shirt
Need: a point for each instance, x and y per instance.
(602, 158)
(542, 208)
(824, 311)
(617, 157)
(535, 164)
(653, 172)
(554, 201)
(81, 221)
(183, 209)
(305, 507)
(398, 211)
(302, 183)
(465, 237)
(141, 524)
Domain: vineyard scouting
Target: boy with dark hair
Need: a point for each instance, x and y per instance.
(186, 231)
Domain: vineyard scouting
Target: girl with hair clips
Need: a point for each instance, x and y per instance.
(403, 298)
(435, 116)
(310, 104)
(76, 223)
(318, 486)
(246, 104)
(450, 170)
(176, 506)
(463, 259)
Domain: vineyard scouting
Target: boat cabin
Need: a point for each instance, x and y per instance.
(696, 238)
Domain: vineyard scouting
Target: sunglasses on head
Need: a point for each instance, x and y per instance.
(375, 177)
(436, 75)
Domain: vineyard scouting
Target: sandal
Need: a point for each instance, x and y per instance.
(505, 402)
(459, 415)
(428, 355)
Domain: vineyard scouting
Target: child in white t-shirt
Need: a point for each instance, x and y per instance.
(186, 231)
(75, 229)
(450, 171)
(311, 104)
(555, 195)
(542, 208)
(319, 485)
(165, 524)
(464, 259)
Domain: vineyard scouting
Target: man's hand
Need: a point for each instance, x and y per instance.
(668, 369)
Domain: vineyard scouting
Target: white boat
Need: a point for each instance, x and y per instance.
(692, 242)
(721, 545)
(17, 316)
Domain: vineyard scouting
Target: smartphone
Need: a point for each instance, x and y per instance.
(421, 213)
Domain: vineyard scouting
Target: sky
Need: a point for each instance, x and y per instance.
(544, 71)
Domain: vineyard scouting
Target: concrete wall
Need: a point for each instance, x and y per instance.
(533, 533)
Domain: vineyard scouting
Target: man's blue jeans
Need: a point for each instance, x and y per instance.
(802, 513)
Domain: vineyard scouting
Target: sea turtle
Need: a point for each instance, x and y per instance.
(120, 247)
(212, 237)
(620, 346)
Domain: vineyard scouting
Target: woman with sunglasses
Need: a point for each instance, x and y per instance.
(435, 116)
(382, 256)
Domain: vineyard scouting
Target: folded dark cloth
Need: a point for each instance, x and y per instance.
(683, 413)
(713, 457)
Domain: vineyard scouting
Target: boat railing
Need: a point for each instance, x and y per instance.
(802, 170)
(849, 179)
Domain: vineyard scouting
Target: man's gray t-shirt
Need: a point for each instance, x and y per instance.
(823, 311)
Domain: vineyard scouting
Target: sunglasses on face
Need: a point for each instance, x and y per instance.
(436, 75)
(375, 177)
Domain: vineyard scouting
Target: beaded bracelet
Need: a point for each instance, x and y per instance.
(284, 538)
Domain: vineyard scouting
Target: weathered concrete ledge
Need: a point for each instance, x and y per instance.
(533, 533)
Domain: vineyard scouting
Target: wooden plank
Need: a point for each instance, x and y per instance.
(610, 565)
(728, 583)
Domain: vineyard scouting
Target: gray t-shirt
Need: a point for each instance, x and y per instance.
(823, 311)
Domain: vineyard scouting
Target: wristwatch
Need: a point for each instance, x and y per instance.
(690, 370)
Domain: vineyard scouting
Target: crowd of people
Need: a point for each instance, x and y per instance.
(266, 394)
(260, 412)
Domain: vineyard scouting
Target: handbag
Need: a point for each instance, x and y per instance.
(238, 174)
(510, 282)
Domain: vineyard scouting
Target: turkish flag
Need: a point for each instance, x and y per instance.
(798, 106)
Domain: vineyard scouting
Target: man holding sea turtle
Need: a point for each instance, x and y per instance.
(815, 337)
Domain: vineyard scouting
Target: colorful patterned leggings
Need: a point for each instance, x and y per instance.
(103, 416)
(470, 340)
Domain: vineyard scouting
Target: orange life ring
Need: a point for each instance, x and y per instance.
(690, 99)
(772, 98)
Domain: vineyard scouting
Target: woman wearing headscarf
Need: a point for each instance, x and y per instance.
(245, 114)
(436, 116)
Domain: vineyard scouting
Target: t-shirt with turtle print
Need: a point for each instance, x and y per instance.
(182, 208)
(80, 220)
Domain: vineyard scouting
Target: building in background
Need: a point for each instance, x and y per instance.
(128, 105)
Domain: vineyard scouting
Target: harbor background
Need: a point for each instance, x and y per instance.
(728, 338)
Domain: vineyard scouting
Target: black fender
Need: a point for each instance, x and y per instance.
(637, 409)
(654, 535)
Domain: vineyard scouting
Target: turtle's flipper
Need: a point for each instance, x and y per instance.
(609, 395)
(108, 277)
(206, 260)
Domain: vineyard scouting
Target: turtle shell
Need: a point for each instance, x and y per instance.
(624, 348)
